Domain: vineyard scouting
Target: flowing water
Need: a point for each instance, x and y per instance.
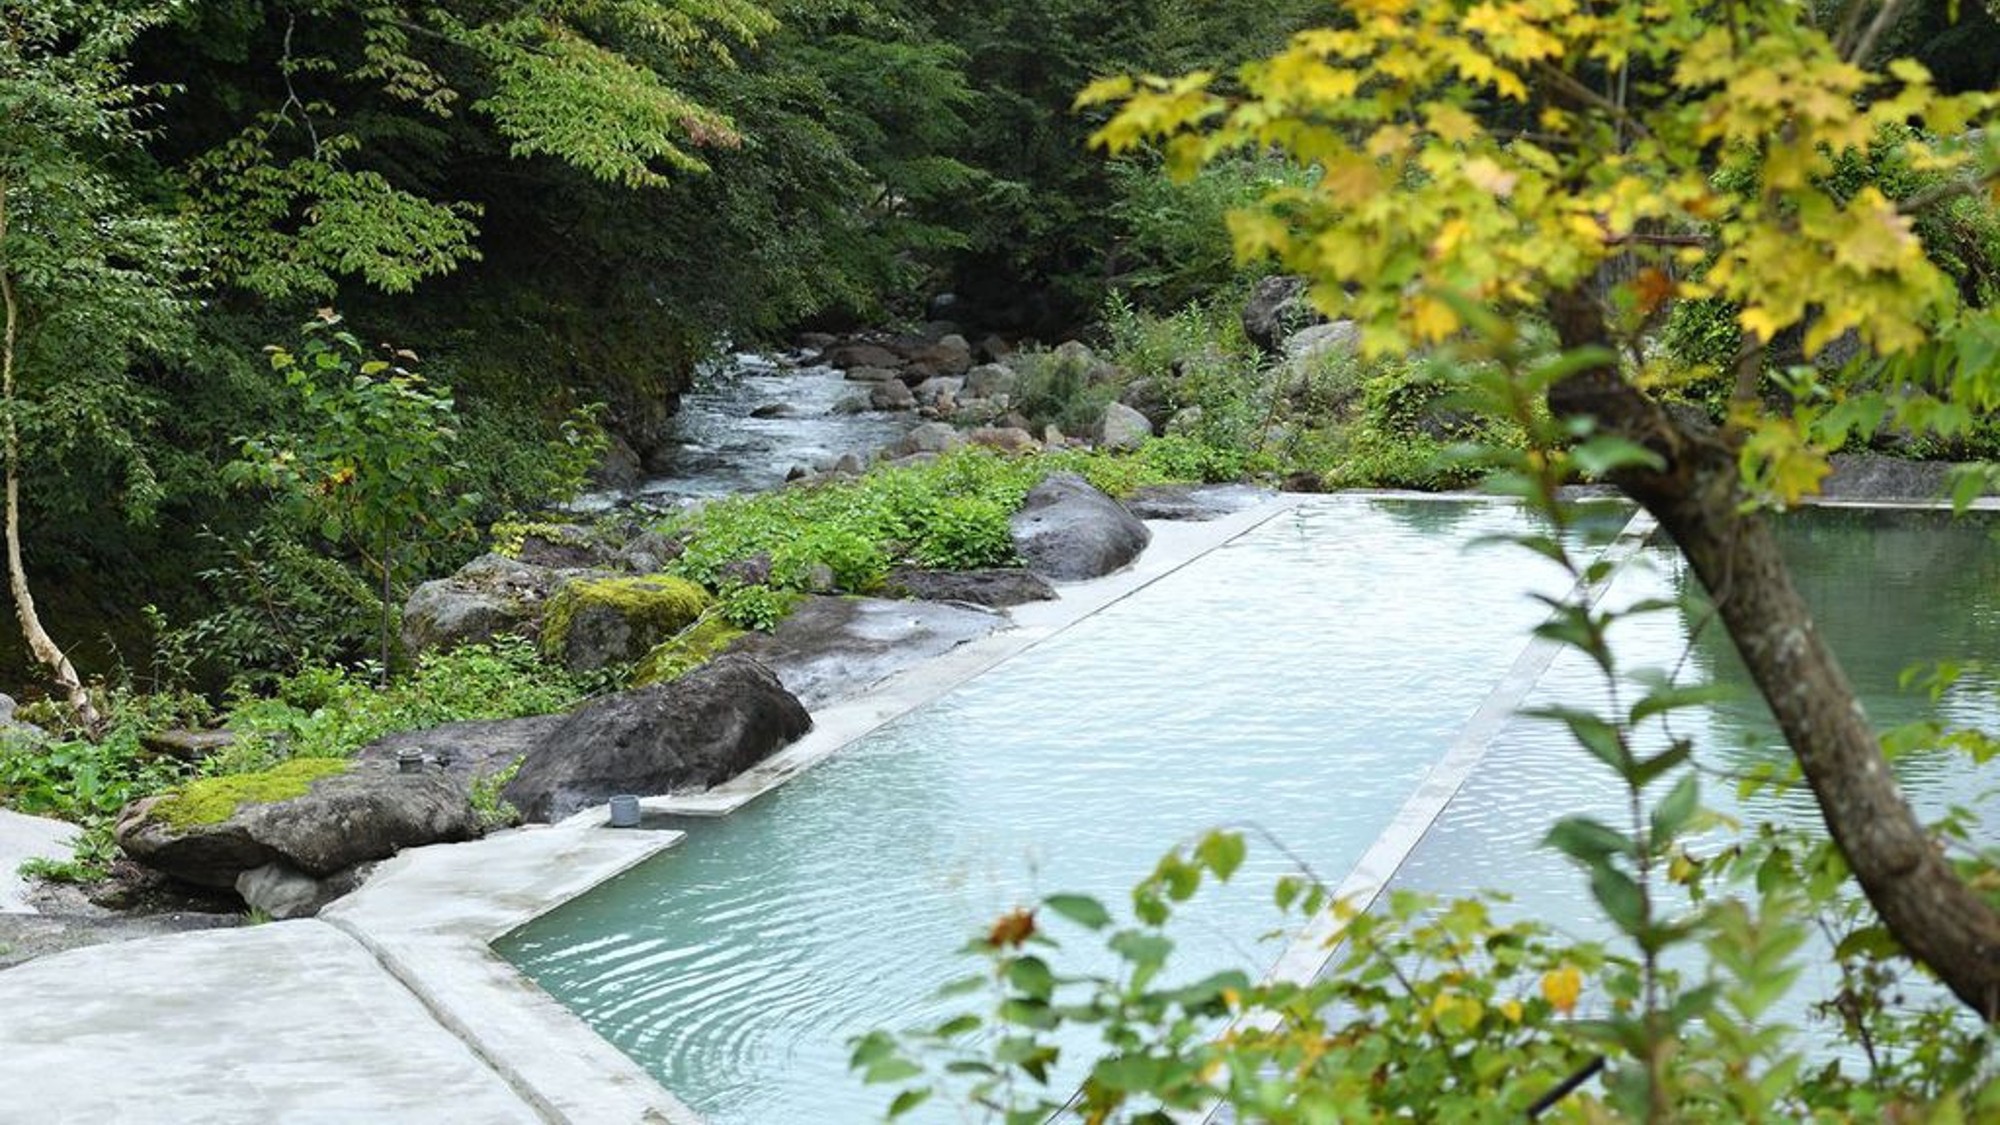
(1302, 679)
(720, 449)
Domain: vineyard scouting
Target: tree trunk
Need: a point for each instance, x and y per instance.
(39, 642)
(1698, 499)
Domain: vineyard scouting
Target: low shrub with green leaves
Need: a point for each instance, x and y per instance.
(950, 513)
(330, 712)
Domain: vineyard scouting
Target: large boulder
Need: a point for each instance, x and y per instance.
(696, 731)
(931, 437)
(996, 588)
(860, 354)
(1278, 307)
(489, 596)
(470, 751)
(1068, 530)
(595, 622)
(318, 816)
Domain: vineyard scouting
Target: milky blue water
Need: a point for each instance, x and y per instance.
(1302, 679)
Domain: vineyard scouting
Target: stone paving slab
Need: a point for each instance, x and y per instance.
(23, 838)
(289, 1021)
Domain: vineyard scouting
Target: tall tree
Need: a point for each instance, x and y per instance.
(1691, 145)
(89, 278)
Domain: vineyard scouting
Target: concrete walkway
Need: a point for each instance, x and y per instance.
(23, 838)
(390, 1007)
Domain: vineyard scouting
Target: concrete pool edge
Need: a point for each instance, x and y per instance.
(429, 918)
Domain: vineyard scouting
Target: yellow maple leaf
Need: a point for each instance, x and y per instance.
(1431, 318)
(1561, 988)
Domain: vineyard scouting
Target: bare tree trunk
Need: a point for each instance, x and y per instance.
(39, 642)
(1698, 499)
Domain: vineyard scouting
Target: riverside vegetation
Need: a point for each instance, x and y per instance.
(184, 182)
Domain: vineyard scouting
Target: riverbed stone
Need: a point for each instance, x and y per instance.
(931, 437)
(1069, 530)
(696, 731)
(850, 355)
(990, 380)
(1006, 439)
(1122, 428)
(315, 816)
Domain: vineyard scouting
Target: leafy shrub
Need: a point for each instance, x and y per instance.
(1056, 389)
(330, 712)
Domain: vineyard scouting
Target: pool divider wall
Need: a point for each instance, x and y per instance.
(1314, 949)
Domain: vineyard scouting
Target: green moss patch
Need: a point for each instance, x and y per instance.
(214, 800)
(685, 651)
(657, 603)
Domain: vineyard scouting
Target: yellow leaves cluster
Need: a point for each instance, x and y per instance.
(1419, 205)
(1562, 987)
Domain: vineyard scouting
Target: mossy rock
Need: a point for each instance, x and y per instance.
(216, 799)
(685, 651)
(592, 623)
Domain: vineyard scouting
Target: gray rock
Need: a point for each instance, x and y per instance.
(949, 356)
(992, 349)
(1068, 530)
(1194, 502)
(892, 395)
(855, 354)
(1148, 396)
(989, 380)
(1186, 420)
(696, 731)
(489, 596)
(931, 437)
(1277, 308)
(817, 341)
(469, 751)
(1334, 337)
(998, 588)
(1122, 427)
(185, 745)
(368, 812)
(650, 551)
(829, 649)
(938, 388)
(1872, 476)
(594, 621)
(283, 891)
(1006, 439)
(850, 465)
(777, 410)
(564, 546)
(873, 374)
(1075, 352)
(621, 467)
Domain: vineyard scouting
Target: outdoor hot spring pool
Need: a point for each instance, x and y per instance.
(1303, 679)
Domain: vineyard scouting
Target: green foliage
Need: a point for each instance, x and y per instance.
(330, 712)
(212, 800)
(700, 642)
(1175, 248)
(752, 606)
(1064, 388)
(372, 464)
(494, 811)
